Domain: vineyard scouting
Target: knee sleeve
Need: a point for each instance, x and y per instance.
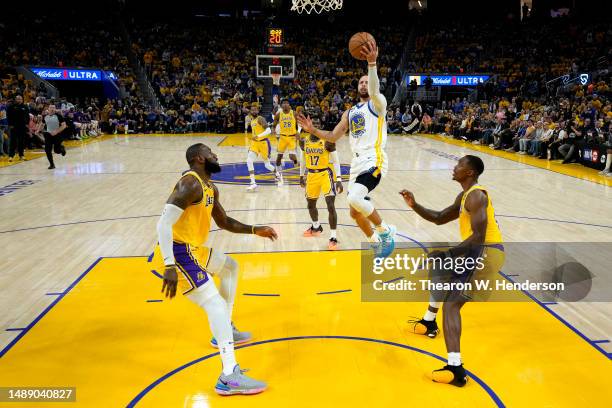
(356, 199)
(250, 160)
(269, 165)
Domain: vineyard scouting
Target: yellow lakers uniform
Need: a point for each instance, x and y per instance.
(288, 130)
(189, 235)
(320, 173)
(492, 251)
(261, 146)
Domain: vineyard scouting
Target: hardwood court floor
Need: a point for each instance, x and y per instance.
(70, 318)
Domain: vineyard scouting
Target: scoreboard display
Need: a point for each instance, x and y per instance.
(276, 37)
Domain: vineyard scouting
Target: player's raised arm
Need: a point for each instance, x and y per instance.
(331, 136)
(232, 225)
(370, 52)
(437, 217)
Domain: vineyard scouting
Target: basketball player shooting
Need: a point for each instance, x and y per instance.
(189, 266)
(367, 129)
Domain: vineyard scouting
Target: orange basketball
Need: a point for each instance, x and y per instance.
(356, 41)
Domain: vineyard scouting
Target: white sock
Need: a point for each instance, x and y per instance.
(333, 234)
(252, 175)
(454, 359)
(430, 316)
(383, 227)
(315, 224)
(608, 161)
(374, 238)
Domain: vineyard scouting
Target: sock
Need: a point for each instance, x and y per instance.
(454, 359)
(315, 224)
(430, 316)
(382, 228)
(333, 234)
(608, 161)
(374, 238)
(252, 175)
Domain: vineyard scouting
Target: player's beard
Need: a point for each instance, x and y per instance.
(364, 95)
(211, 167)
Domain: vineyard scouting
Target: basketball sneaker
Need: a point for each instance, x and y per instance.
(238, 383)
(385, 247)
(251, 188)
(333, 244)
(313, 232)
(426, 327)
(454, 375)
(239, 337)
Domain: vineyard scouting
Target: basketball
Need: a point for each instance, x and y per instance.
(356, 41)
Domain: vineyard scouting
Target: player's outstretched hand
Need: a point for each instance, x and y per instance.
(305, 122)
(170, 281)
(408, 198)
(302, 181)
(266, 232)
(370, 52)
(339, 188)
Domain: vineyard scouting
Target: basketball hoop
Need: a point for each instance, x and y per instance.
(318, 6)
(276, 79)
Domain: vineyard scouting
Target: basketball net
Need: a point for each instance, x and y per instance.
(318, 6)
(276, 78)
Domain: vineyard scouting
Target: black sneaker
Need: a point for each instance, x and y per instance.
(51, 167)
(63, 151)
(426, 327)
(454, 375)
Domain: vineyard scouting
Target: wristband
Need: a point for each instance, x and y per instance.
(252, 229)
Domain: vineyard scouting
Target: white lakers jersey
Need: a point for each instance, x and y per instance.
(368, 137)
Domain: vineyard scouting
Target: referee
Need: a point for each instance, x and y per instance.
(54, 126)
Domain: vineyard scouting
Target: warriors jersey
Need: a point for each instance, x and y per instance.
(194, 224)
(368, 136)
(493, 233)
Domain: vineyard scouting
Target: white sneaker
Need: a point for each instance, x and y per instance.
(604, 172)
(252, 188)
(279, 179)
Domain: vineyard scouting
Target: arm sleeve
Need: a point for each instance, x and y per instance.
(169, 217)
(336, 161)
(264, 133)
(378, 99)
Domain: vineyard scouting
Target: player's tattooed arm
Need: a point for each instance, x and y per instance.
(235, 226)
(437, 217)
(331, 136)
(476, 204)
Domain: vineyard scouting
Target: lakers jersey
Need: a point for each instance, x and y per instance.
(257, 129)
(194, 224)
(493, 233)
(316, 155)
(368, 137)
(288, 124)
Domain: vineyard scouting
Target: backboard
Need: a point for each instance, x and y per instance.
(266, 65)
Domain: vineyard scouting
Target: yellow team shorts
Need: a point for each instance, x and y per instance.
(191, 261)
(320, 182)
(286, 143)
(261, 147)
